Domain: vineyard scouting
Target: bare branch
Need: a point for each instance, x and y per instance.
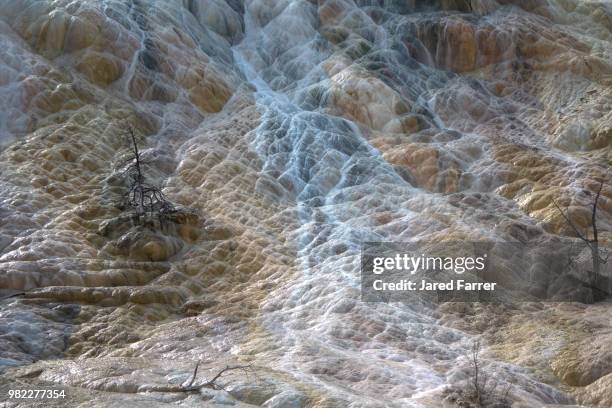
(136, 153)
(212, 383)
(572, 224)
(12, 295)
(193, 377)
(194, 388)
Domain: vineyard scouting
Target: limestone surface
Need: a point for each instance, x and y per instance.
(288, 133)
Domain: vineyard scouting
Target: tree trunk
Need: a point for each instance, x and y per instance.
(596, 262)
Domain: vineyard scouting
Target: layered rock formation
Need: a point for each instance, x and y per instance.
(294, 130)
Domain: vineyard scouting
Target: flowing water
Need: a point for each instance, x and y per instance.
(295, 131)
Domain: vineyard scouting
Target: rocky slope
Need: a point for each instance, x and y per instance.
(295, 130)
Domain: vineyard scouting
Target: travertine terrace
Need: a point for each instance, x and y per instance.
(293, 131)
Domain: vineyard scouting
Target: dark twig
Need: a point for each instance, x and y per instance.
(195, 373)
(13, 295)
(136, 156)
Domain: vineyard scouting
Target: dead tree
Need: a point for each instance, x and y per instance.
(212, 383)
(144, 198)
(191, 387)
(486, 390)
(597, 257)
(475, 361)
